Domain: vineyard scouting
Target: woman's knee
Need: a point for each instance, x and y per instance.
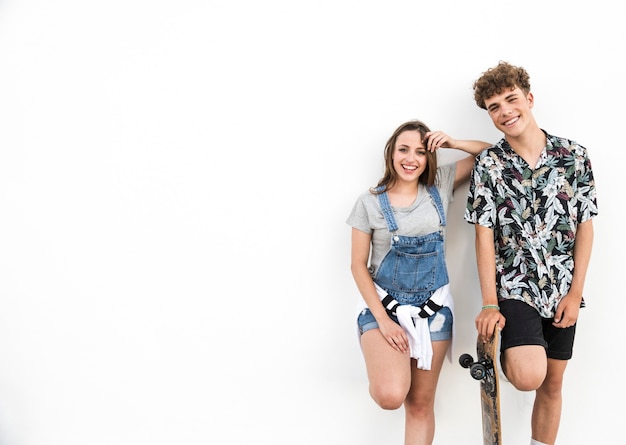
(388, 396)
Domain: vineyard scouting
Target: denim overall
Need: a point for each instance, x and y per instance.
(415, 266)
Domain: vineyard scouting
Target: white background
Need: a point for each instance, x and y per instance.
(174, 183)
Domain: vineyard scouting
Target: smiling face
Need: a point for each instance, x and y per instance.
(510, 111)
(409, 156)
(406, 158)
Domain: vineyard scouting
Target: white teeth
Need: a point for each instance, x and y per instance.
(410, 167)
(511, 121)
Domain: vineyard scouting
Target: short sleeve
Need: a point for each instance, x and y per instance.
(358, 217)
(480, 208)
(585, 188)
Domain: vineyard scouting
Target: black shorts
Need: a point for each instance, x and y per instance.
(524, 326)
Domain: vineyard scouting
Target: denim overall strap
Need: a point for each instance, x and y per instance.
(385, 207)
(383, 199)
(434, 194)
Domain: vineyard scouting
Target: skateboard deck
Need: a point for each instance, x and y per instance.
(485, 369)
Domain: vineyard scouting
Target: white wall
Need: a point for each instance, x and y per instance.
(174, 183)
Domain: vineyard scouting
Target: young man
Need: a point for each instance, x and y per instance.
(532, 198)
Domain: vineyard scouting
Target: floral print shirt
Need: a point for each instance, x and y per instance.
(534, 214)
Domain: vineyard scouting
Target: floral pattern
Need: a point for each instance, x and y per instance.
(534, 214)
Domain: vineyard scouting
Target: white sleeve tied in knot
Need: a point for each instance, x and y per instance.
(414, 321)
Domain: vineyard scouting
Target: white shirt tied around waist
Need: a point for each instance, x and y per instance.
(416, 327)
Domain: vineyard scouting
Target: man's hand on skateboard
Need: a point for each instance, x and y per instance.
(487, 320)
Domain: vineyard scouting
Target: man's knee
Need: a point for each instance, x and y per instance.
(525, 367)
(525, 379)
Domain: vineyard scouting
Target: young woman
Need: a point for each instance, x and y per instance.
(399, 267)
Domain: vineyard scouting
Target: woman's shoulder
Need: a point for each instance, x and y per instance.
(367, 197)
(445, 175)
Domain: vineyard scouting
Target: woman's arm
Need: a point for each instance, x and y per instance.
(390, 330)
(361, 243)
(439, 139)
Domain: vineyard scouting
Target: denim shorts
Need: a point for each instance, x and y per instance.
(440, 323)
(524, 326)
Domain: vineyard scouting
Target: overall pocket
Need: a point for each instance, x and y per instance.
(414, 272)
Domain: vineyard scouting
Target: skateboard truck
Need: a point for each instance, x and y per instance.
(479, 369)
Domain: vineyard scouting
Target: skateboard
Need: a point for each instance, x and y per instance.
(485, 369)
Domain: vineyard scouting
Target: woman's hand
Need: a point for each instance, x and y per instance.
(438, 139)
(394, 334)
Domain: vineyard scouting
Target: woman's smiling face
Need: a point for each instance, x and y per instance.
(409, 156)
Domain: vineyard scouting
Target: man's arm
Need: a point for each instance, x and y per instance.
(567, 311)
(486, 261)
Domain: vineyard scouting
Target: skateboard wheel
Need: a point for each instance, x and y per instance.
(478, 371)
(466, 360)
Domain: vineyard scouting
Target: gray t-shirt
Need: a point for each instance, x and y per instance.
(418, 219)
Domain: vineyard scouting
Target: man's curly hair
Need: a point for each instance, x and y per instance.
(499, 78)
